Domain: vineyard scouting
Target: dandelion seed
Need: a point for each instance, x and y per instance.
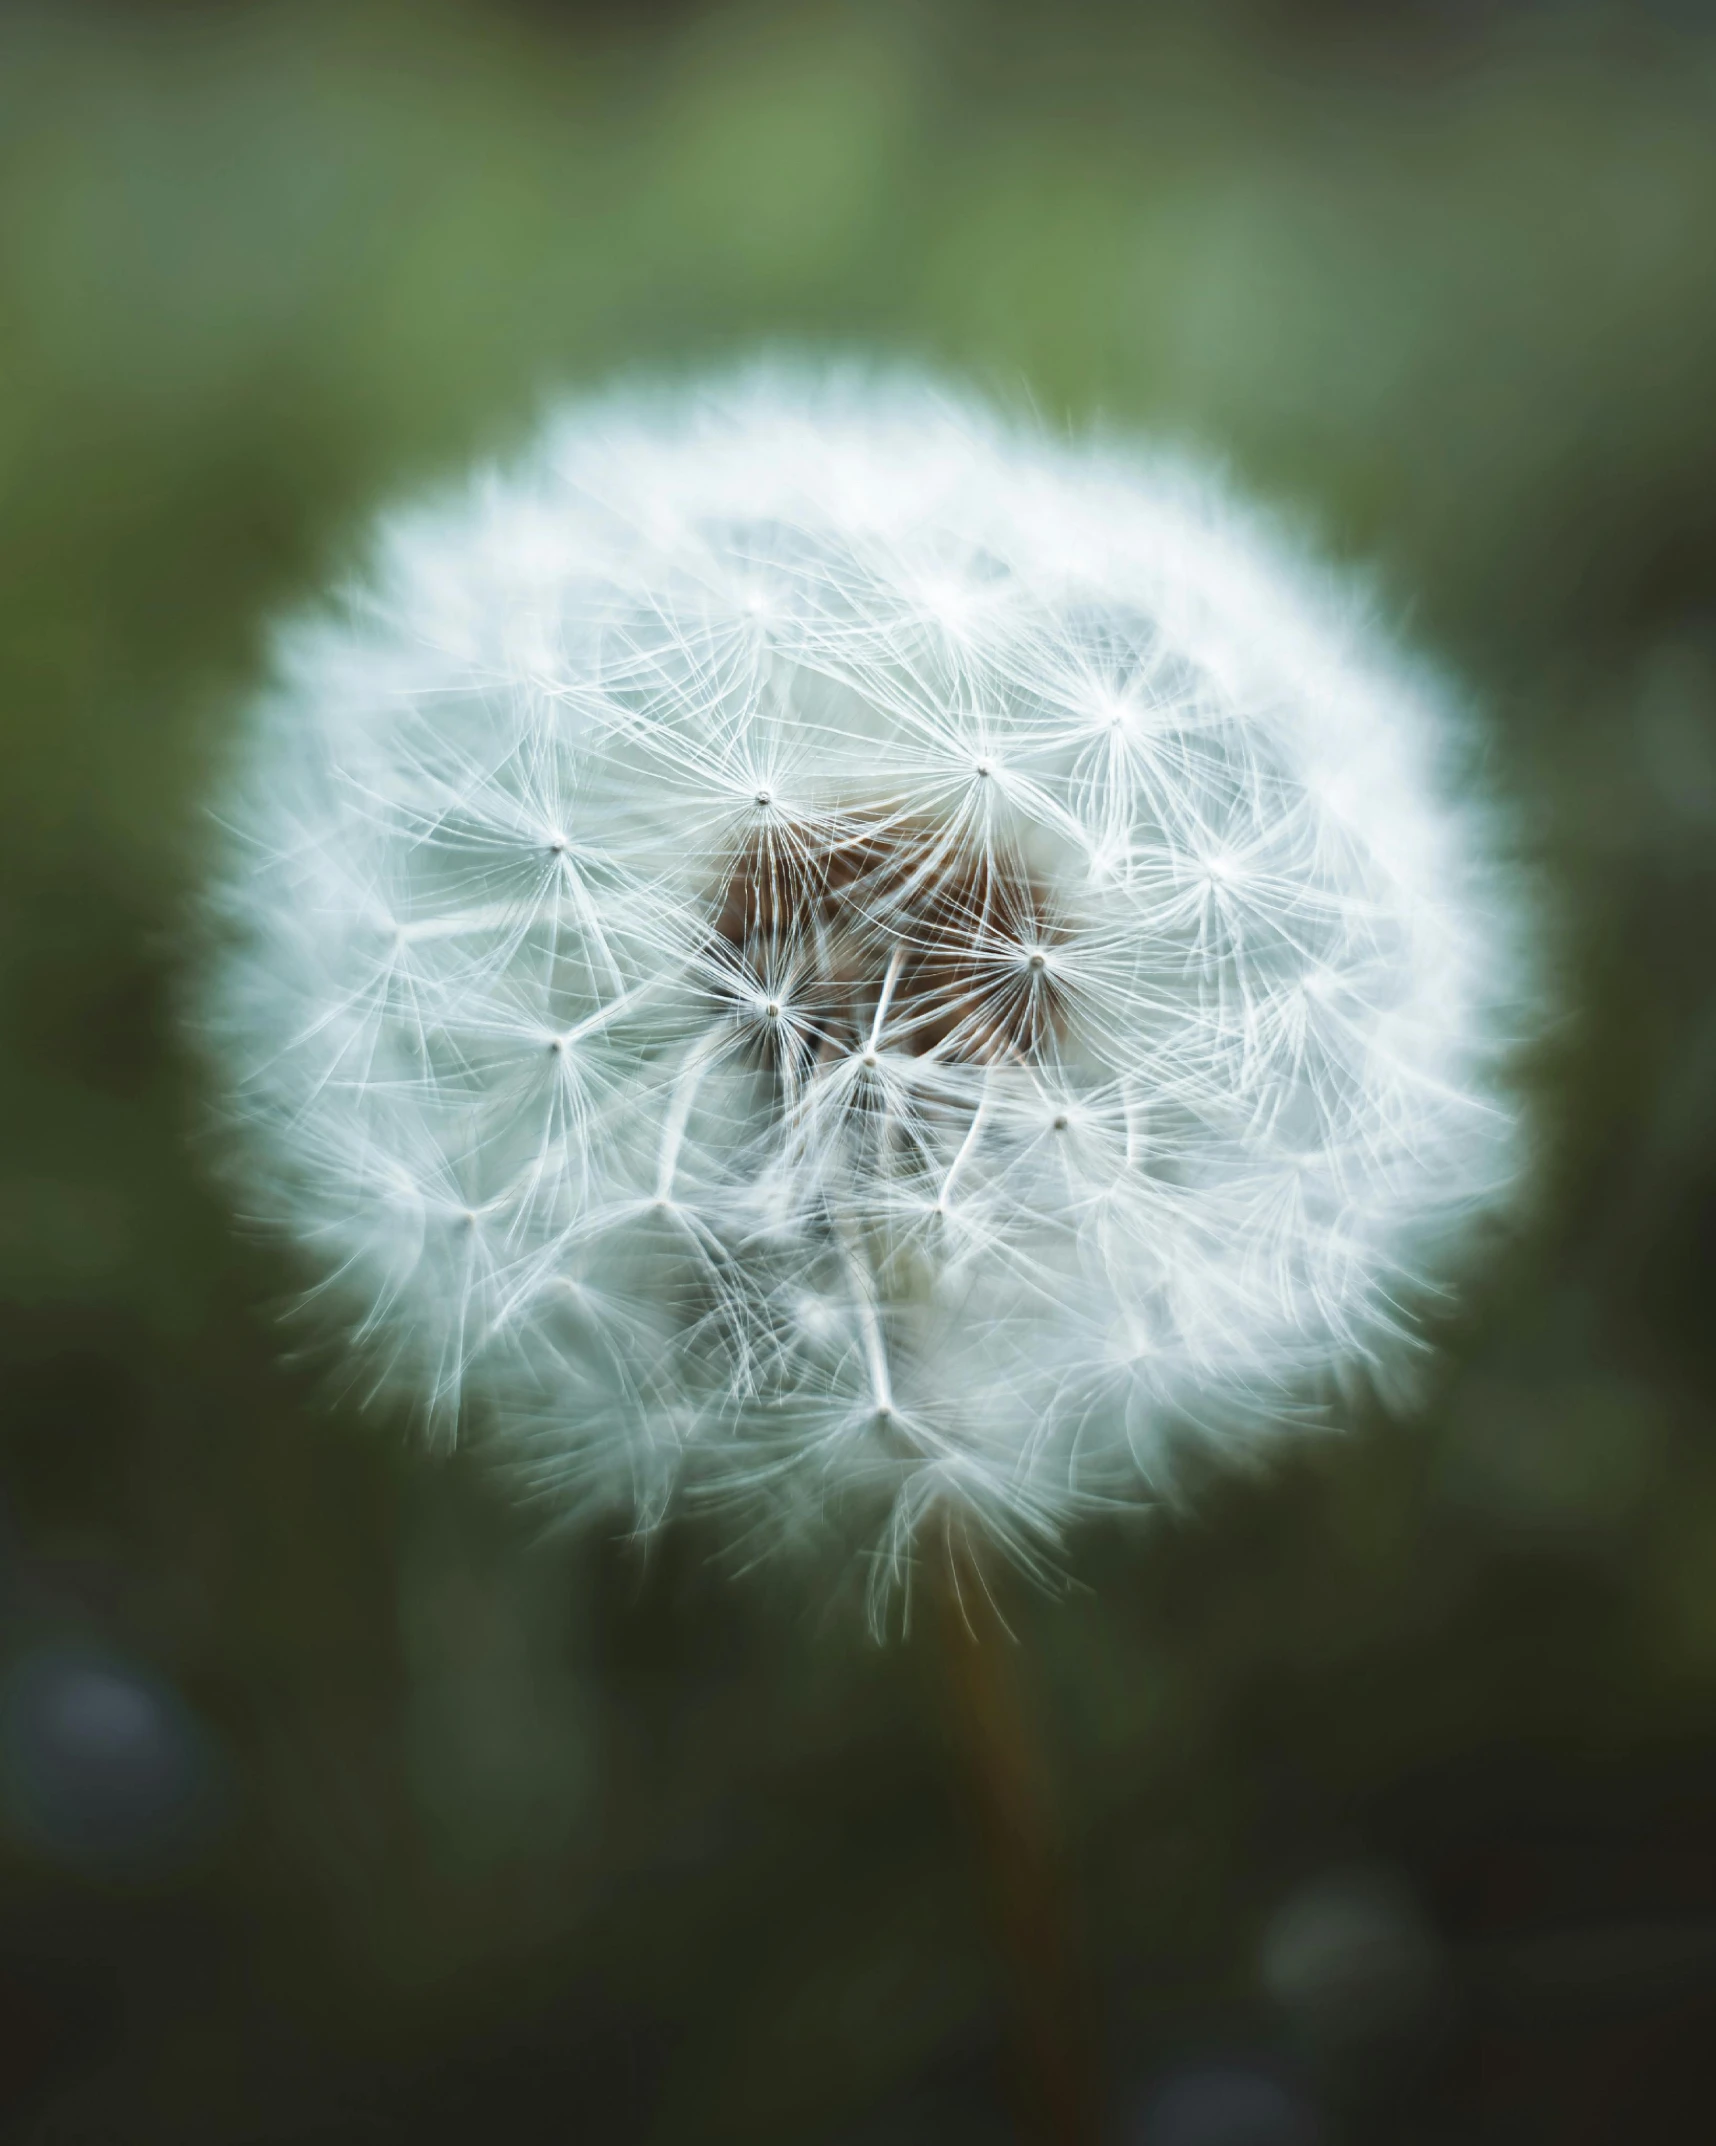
(908, 785)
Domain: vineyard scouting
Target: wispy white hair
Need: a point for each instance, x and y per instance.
(808, 942)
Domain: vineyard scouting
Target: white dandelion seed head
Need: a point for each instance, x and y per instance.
(805, 940)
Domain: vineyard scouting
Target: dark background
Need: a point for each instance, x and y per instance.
(336, 1802)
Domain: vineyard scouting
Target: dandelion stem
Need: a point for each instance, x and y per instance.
(1007, 1789)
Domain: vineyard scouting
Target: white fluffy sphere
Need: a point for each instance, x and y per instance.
(808, 940)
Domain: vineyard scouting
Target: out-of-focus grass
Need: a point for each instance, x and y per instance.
(514, 1826)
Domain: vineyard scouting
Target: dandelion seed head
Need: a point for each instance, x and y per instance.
(1023, 981)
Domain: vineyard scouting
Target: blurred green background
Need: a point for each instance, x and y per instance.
(336, 1803)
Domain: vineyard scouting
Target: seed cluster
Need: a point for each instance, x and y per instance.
(809, 948)
(872, 932)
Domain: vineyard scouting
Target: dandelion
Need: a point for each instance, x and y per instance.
(809, 945)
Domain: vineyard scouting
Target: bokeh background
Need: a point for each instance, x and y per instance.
(337, 1801)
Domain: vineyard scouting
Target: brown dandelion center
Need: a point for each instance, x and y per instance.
(878, 935)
